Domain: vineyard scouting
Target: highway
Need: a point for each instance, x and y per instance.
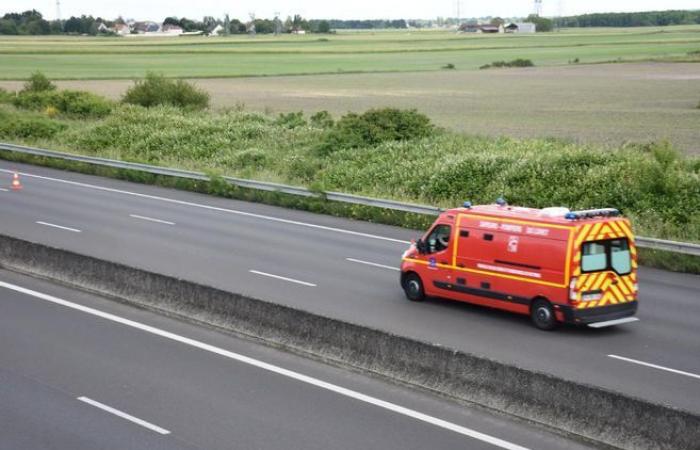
(348, 270)
(82, 372)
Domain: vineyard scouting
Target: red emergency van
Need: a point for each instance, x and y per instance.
(555, 265)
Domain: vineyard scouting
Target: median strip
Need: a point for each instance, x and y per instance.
(599, 414)
(124, 415)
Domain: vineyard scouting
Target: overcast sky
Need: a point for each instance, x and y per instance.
(352, 9)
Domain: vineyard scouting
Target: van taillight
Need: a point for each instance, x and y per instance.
(572, 290)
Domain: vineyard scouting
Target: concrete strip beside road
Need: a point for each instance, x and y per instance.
(575, 408)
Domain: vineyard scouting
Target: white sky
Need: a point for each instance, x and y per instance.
(352, 9)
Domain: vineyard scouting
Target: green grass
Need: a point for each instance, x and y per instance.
(117, 58)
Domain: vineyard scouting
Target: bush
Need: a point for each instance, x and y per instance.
(5, 96)
(31, 127)
(291, 120)
(449, 66)
(74, 103)
(520, 62)
(156, 90)
(322, 119)
(38, 83)
(374, 127)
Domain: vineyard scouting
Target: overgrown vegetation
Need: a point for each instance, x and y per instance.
(5, 96)
(520, 62)
(375, 127)
(38, 82)
(156, 90)
(40, 94)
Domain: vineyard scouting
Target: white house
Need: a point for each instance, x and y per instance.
(520, 27)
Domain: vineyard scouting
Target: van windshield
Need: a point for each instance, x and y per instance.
(610, 254)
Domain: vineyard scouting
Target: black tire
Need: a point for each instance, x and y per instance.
(542, 315)
(413, 287)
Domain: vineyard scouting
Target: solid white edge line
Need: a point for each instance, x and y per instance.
(151, 219)
(291, 280)
(53, 225)
(213, 208)
(272, 368)
(654, 366)
(124, 415)
(359, 261)
(4, 190)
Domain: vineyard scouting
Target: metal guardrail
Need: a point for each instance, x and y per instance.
(643, 242)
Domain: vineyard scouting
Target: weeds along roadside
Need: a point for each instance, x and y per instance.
(382, 153)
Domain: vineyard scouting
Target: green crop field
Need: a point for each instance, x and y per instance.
(395, 51)
(651, 97)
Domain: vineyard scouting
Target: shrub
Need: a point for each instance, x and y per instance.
(291, 120)
(322, 119)
(75, 103)
(38, 83)
(448, 66)
(520, 62)
(156, 90)
(5, 96)
(31, 127)
(374, 127)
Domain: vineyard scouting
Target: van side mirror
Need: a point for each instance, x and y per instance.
(421, 247)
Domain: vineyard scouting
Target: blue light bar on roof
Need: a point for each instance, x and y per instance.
(591, 213)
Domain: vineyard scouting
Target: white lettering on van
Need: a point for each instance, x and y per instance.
(490, 225)
(511, 228)
(537, 231)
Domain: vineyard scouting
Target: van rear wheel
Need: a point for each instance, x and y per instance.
(542, 315)
(413, 287)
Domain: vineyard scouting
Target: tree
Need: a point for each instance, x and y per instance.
(543, 24)
(227, 26)
(8, 26)
(324, 27)
(497, 22)
(209, 23)
(174, 21)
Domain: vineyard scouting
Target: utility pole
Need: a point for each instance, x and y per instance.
(58, 10)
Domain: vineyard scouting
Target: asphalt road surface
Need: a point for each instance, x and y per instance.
(81, 372)
(349, 270)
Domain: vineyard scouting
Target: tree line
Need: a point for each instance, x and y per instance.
(635, 19)
(31, 22)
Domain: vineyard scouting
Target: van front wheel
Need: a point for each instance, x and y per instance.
(542, 315)
(413, 287)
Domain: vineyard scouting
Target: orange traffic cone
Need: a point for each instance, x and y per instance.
(16, 185)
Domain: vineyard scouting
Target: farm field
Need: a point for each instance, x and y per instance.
(649, 97)
(606, 104)
(395, 51)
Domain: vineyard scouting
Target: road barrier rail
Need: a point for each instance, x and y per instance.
(643, 242)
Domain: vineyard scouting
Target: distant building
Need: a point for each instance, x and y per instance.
(172, 29)
(521, 27)
(146, 27)
(478, 28)
(217, 30)
(121, 29)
